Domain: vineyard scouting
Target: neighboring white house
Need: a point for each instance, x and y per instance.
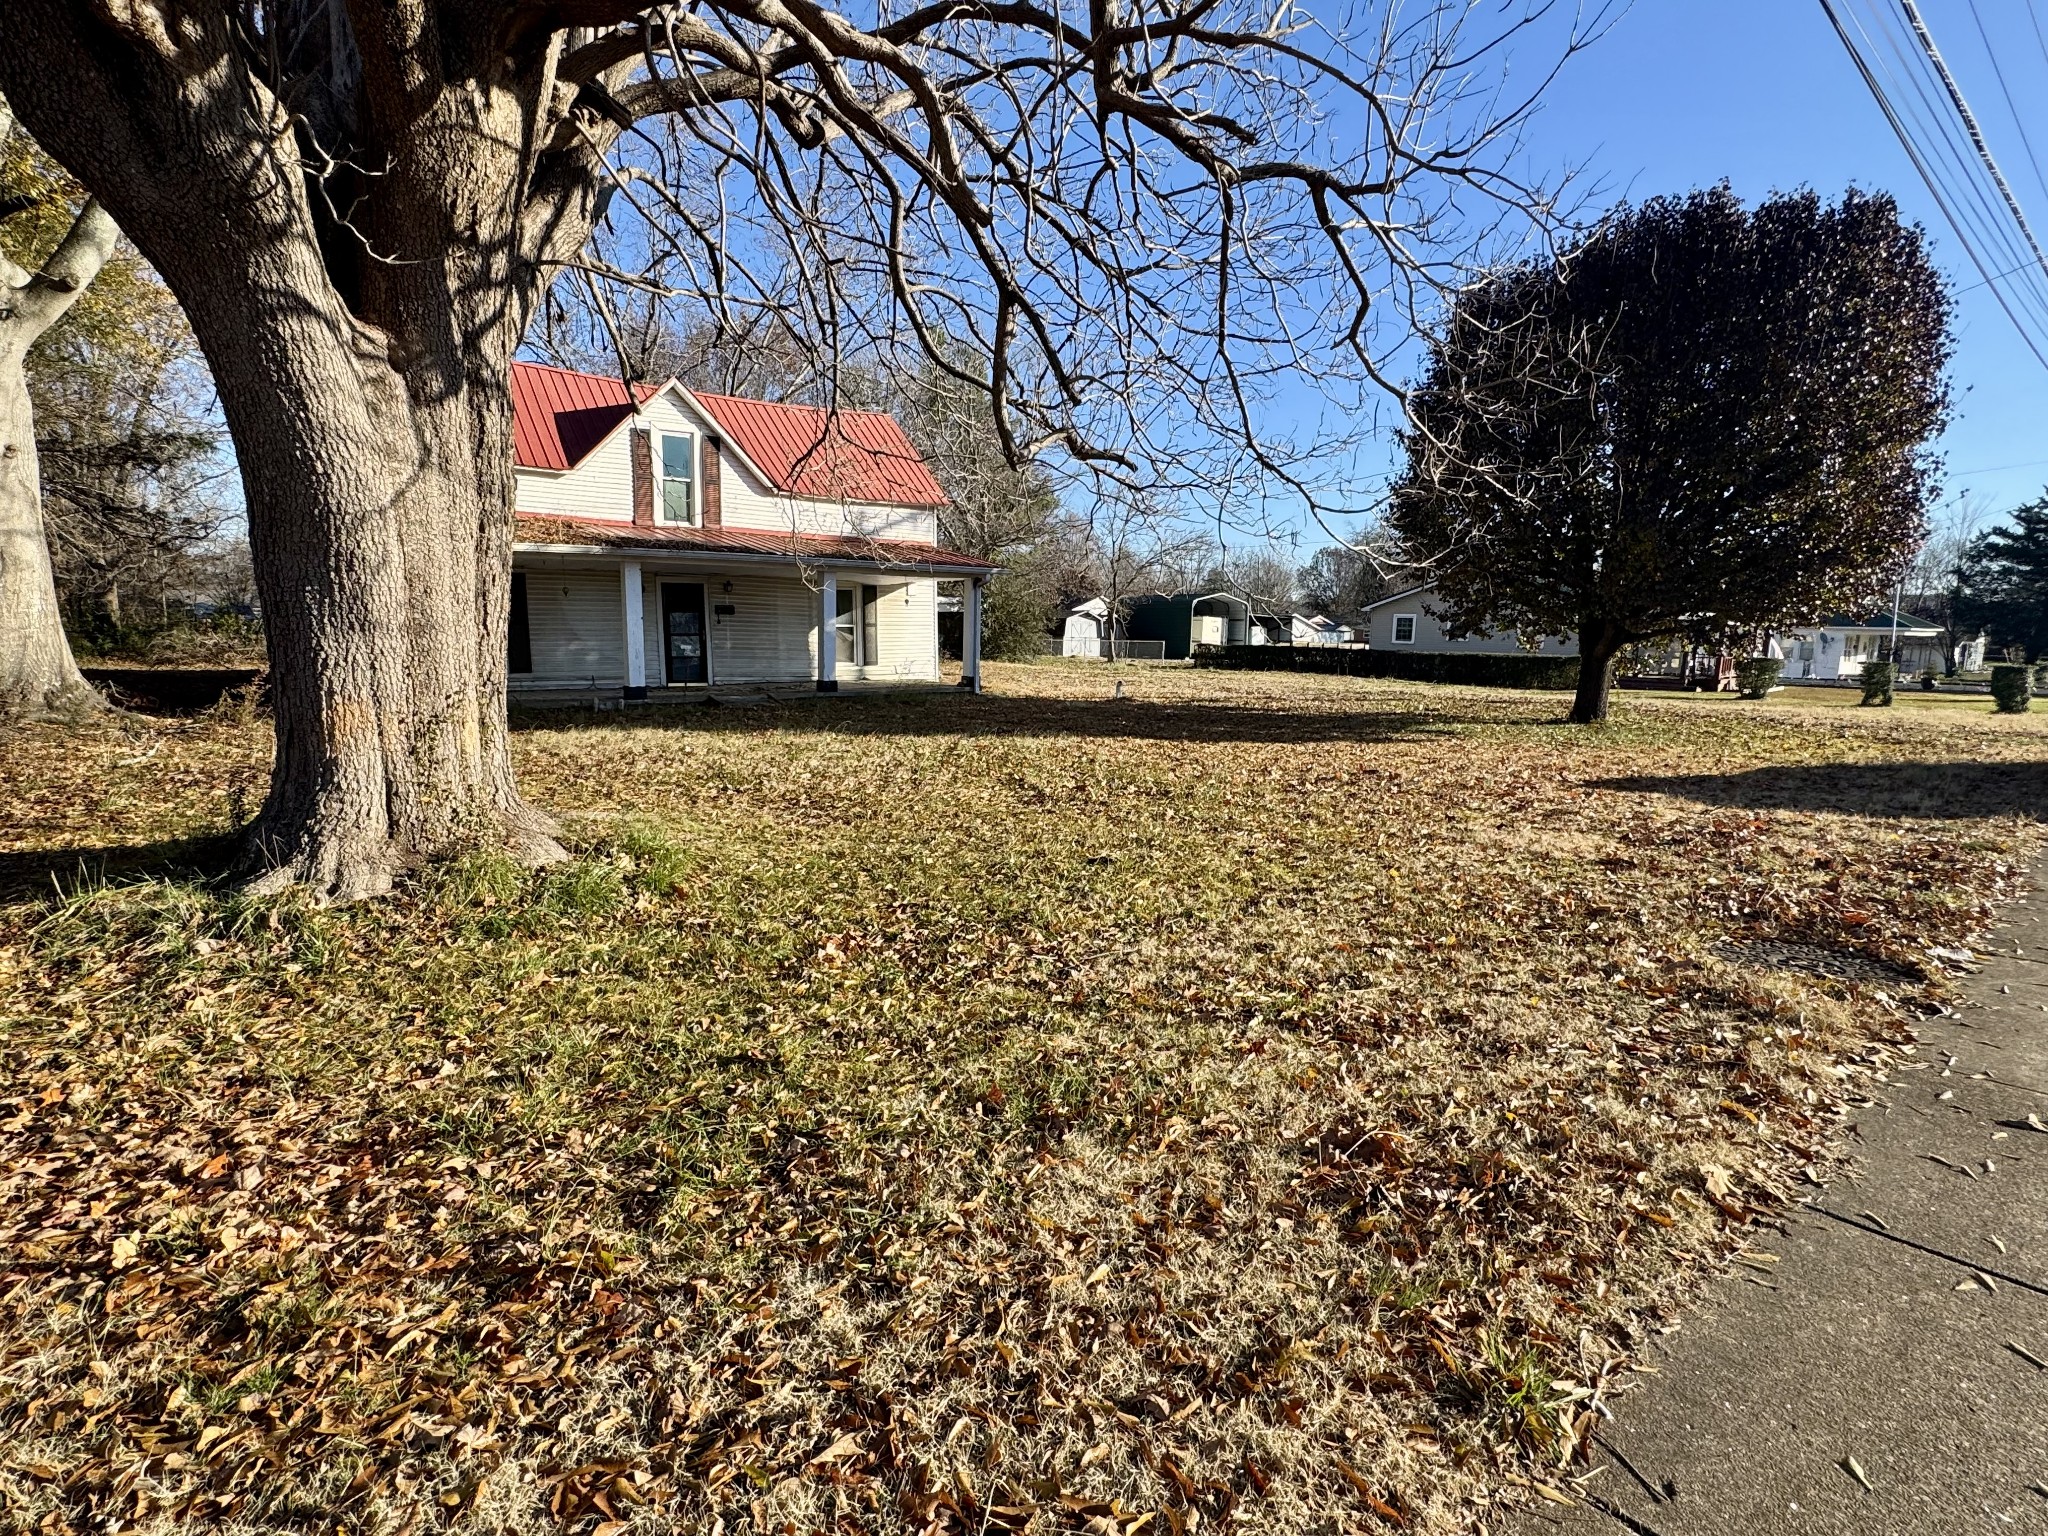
(675, 540)
(1410, 621)
(1319, 629)
(1838, 646)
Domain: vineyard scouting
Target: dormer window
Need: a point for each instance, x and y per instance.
(678, 498)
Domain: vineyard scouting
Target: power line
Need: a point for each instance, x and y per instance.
(1969, 118)
(1969, 211)
(1971, 200)
(2005, 90)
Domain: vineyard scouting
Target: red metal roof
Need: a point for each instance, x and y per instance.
(558, 417)
(828, 455)
(889, 554)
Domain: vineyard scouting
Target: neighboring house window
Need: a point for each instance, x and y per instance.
(519, 639)
(1404, 629)
(678, 478)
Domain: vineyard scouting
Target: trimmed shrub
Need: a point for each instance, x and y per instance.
(1879, 678)
(2011, 687)
(1756, 676)
(1472, 667)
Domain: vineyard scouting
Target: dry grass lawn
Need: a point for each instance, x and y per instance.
(1267, 1104)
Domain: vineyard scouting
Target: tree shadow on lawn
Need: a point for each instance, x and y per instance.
(40, 874)
(942, 714)
(1908, 791)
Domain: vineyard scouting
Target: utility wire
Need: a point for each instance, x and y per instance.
(1990, 223)
(1971, 206)
(1970, 233)
(2005, 90)
(1912, 10)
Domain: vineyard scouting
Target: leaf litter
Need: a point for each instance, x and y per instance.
(1274, 1104)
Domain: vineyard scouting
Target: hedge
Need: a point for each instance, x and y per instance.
(2010, 688)
(1756, 676)
(1475, 667)
(1879, 678)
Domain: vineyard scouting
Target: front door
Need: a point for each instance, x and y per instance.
(682, 631)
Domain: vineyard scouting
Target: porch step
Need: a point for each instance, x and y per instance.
(736, 698)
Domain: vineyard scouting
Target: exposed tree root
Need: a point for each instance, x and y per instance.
(336, 869)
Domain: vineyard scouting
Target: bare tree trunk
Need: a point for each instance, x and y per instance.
(359, 324)
(1599, 643)
(388, 673)
(376, 455)
(37, 672)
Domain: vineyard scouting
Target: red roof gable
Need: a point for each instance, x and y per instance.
(558, 417)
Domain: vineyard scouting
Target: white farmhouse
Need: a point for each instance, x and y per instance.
(669, 539)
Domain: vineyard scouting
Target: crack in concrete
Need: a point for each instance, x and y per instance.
(1906, 1242)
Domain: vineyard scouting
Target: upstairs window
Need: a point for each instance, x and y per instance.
(678, 500)
(1404, 629)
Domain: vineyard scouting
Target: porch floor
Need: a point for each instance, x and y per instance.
(602, 696)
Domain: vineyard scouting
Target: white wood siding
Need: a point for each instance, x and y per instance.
(1432, 632)
(600, 488)
(577, 630)
(576, 622)
(907, 632)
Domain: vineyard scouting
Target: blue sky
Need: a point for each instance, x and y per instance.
(1682, 93)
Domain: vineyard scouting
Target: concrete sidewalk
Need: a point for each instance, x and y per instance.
(1894, 1333)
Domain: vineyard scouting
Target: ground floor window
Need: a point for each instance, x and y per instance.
(1404, 629)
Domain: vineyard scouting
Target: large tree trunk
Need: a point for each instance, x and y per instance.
(360, 321)
(375, 444)
(1599, 643)
(383, 563)
(37, 673)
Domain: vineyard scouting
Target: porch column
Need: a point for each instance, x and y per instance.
(828, 633)
(970, 637)
(636, 629)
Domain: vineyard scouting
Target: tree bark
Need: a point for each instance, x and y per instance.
(1599, 643)
(38, 675)
(377, 443)
(360, 329)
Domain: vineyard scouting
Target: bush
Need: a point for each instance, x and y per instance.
(1756, 676)
(2041, 677)
(1473, 667)
(2011, 687)
(1879, 678)
(1927, 680)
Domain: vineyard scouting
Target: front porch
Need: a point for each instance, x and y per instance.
(658, 622)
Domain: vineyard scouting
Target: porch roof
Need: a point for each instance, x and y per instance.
(539, 531)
